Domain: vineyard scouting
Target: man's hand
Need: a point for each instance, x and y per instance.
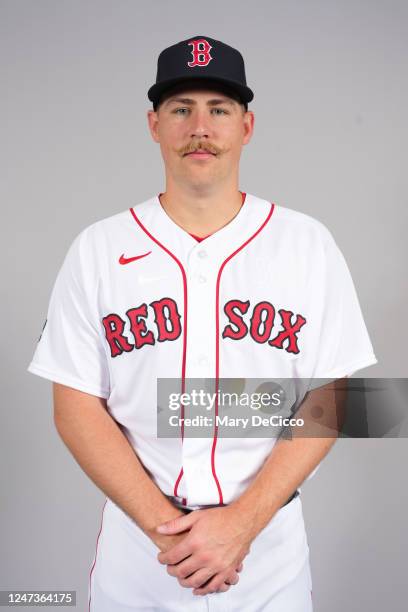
(211, 551)
(167, 542)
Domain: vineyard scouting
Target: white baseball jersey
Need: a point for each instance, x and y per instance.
(269, 295)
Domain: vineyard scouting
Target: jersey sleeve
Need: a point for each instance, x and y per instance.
(344, 346)
(70, 349)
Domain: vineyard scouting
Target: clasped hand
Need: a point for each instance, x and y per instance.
(210, 555)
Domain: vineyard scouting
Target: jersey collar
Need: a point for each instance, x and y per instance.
(252, 217)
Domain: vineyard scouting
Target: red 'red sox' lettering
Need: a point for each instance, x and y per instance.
(289, 331)
(165, 311)
(138, 327)
(263, 316)
(235, 319)
(261, 323)
(278, 329)
(114, 326)
(160, 308)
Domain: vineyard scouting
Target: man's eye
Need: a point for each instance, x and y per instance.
(222, 111)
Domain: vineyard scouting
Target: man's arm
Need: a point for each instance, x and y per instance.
(220, 537)
(292, 460)
(106, 456)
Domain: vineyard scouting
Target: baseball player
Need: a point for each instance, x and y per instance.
(200, 281)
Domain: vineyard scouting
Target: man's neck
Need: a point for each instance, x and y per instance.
(201, 214)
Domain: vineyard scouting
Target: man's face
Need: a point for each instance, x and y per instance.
(194, 120)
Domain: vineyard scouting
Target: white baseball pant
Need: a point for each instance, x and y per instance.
(127, 577)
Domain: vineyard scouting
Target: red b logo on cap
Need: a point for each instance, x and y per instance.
(201, 52)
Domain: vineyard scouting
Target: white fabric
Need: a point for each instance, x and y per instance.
(290, 261)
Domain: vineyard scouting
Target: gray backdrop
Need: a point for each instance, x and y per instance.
(330, 140)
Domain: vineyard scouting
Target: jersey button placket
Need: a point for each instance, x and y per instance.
(201, 278)
(201, 301)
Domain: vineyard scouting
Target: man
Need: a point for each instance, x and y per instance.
(200, 281)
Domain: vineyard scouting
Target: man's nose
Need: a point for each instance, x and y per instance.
(200, 126)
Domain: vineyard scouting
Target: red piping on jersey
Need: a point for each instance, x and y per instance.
(183, 365)
(217, 343)
(96, 552)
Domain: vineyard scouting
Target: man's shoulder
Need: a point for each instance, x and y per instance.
(89, 247)
(112, 224)
(298, 219)
(299, 224)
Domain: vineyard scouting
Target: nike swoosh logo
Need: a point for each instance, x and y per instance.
(125, 260)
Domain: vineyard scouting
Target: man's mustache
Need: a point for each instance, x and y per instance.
(203, 146)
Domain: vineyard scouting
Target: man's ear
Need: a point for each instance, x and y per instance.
(153, 121)
(249, 122)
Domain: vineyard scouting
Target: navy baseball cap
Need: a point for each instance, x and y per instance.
(203, 58)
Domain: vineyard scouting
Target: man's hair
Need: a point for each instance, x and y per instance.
(201, 84)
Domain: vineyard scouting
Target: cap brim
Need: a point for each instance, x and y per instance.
(245, 93)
